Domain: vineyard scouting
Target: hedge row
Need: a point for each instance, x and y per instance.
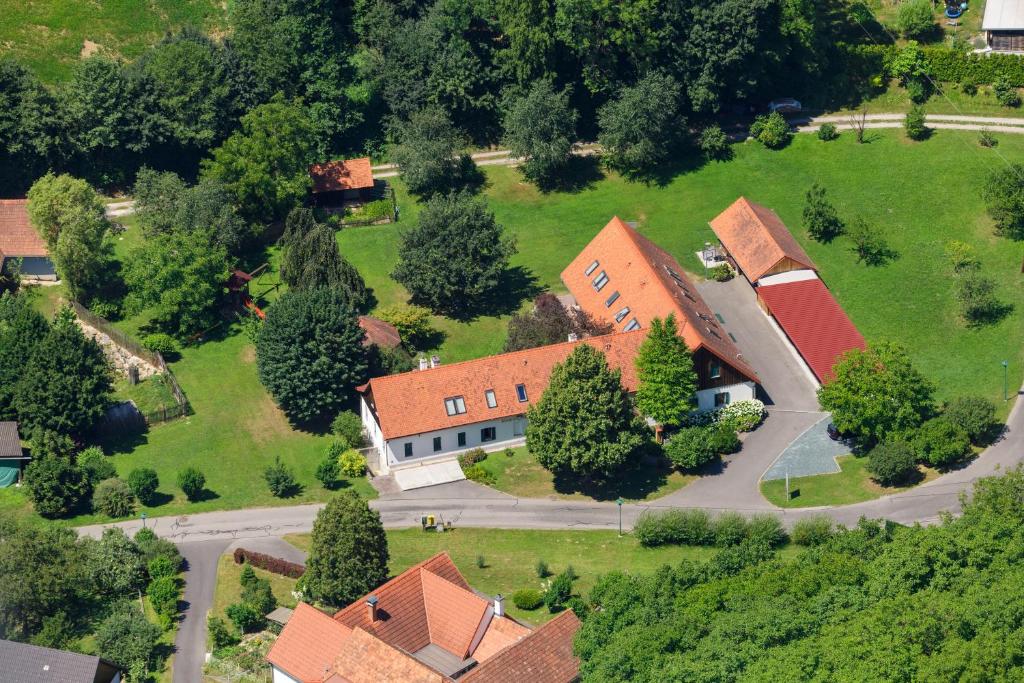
(269, 562)
(947, 64)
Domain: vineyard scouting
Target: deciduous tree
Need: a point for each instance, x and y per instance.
(431, 154)
(664, 366)
(641, 126)
(348, 556)
(127, 638)
(821, 220)
(550, 323)
(1003, 193)
(540, 127)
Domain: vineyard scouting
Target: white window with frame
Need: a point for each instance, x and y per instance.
(456, 405)
(600, 281)
(721, 399)
(521, 393)
(591, 268)
(612, 299)
(492, 400)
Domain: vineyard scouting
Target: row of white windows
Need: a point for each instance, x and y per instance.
(456, 405)
(486, 434)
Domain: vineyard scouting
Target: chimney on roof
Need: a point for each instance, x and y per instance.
(499, 605)
(424, 363)
(435, 361)
(574, 337)
(371, 608)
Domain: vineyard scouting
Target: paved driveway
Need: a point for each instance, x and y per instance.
(784, 380)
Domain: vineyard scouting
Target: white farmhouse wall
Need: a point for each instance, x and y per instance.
(737, 392)
(508, 431)
(282, 677)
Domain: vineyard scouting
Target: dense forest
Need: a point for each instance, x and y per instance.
(362, 68)
(879, 602)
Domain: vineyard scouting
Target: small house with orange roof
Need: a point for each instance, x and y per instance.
(624, 279)
(335, 182)
(426, 625)
(19, 241)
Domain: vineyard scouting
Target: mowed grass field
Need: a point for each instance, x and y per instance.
(49, 36)
(920, 195)
(853, 484)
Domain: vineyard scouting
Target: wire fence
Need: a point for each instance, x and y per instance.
(181, 405)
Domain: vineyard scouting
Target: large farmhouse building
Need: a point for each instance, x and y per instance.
(427, 416)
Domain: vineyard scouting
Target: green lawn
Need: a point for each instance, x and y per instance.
(229, 590)
(950, 101)
(150, 395)
(49, 35)
(920, 195)
(851, 485)
(521, 475)
(510, 557)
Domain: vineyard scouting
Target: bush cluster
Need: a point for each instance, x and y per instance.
(161, 343)
(811, 531)
(771, 130)
(269, 563)
(472, 457)
(743, 416)
(947, 64)
(693, 447)
(528, 599)
(827, 132)
(114, 498)
(697, 527)
(721, 273)
(892, 462)
(375, 211)
(714, 143)
(348, 427)
(478, 474)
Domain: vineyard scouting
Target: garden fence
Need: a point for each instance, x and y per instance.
(181, 405)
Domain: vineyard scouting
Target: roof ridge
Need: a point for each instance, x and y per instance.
(410, 570)
(535, 349)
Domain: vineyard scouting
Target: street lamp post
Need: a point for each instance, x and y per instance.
(143, 520)
(1006, 386)
(619, 502)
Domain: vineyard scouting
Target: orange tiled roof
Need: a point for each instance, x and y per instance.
(757, 239)
(544, 656)
(652, 284)
(366, 659)
(454, 614)
(380, 333)
(307, 646)
(17, 236)
(413, 402)
(335, 176)
(500, 634)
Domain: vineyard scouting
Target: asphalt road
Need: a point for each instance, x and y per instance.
(200, 583)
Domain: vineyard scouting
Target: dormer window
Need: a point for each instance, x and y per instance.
(521, 392)
(591, 268)
(600, 281)
(633, 324)
(621, 315)
(455, 405)
(492, 400)
(612, 299)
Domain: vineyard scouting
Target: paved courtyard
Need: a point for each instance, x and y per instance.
(810, 453)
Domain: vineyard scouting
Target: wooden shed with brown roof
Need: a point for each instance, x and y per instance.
(334, 182)
(758, 242)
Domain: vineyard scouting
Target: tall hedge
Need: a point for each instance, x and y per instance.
(945, 63)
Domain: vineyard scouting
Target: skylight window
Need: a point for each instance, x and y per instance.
(600, 281)
(591, 268)
(455, 405)
(492, 400)
(612, 299)
(634, 324)
(621, 315)
(521, 392)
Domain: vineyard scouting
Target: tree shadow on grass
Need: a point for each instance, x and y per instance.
(158, 499)
(994, 314)
(205, 495)
(515, 285)
(122, 442)
(682, 162)
(581, 173)
(650, 473)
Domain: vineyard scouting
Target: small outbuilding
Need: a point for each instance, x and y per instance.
(340, 181)
(758, 242)
(26, 663)
(19, 240)
(379, 333)
(12, 458)
(1003, 25)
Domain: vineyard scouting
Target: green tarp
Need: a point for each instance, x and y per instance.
(9, 472)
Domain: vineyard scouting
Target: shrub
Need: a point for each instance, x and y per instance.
(481, 563)
(969, 87)
(975, 415)
(105, 309)
(153, 548)
(352, 463)
(578, 605)
(714, 143)
(163, 595)
(723, 439)
(918, 90)
(811, 531)
(940, 442)
(268, 562)
(245, 617)
(1005, 92)
(677, 527)
(986, 139)
(191, 482)
(375, 211)
(56, 485)
(412, 323)
(914, 124)
(159, 567)
(114, 498)
(767, 529)
(742, 416)
(95, 465)
(892, 462)
(977, 296)
(827, 132)
(257, 593)
(221, 634)
(161, 343)
(143, 482)
(915, 18)
(961, 256)
(558, 592)
(472, 457)
(478, 474)
(730, 528)
(721, 273)
(771, 130)
(348, 427)
(280, 479)
(527, 599)
(327, 471)
(692, 447)
(542, 569)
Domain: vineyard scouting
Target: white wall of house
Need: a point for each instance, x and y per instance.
(282, 677)
(737, 392)
(373, 433)
(508, 431)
